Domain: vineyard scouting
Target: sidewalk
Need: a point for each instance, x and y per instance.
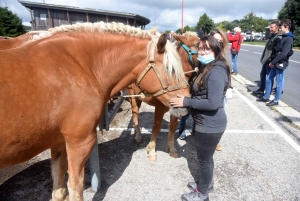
(283, 109)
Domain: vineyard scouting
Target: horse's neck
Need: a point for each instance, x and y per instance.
(120, 60)
(14, 42)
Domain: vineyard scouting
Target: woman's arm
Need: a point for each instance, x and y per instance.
(215, 90)
(232, 38)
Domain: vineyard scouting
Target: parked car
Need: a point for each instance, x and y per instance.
(249, 38)
(257, 37)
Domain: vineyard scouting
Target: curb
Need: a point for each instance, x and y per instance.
(294, 49)
(284, 109)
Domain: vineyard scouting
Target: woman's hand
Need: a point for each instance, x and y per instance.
(177, 102)
(271, 65)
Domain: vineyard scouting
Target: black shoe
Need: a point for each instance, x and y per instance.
(194, 196)
(262, 100)
(272, 103)
(257, 92)
(193, 187)
(260, 95)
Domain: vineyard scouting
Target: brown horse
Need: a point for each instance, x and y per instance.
(53, 91)
(9, 43)
(186, 46)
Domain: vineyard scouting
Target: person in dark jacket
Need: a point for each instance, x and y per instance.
(265, 57)
(280, 60)
(206, 104)
(200, 32)
(222, 38)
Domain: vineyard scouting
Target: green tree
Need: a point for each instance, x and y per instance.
(10, 24)
(247, 23)
(297, 37)
(206, 22)
(251, 22)
(187, 28)
(291, 10)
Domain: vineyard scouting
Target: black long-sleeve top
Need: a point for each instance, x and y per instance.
(283, 48)
(207, 105)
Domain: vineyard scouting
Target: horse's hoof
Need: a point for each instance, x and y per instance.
(152, 157)
(138, 141)
(174, 155)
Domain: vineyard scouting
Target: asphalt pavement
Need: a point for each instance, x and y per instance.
(260, 159)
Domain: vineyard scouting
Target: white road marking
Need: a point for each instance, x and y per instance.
(245, 50)
(149, 130)
(276, 128)
(295, 61)
(271, 123)
(257, 52)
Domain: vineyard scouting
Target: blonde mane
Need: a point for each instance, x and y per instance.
(113, 27)
(171, 63)
(190, 33)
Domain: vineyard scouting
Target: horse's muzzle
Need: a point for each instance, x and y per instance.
(178, 111)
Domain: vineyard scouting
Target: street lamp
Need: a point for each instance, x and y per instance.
(182, 18)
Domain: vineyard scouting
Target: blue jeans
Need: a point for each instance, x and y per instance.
(234, 62)
(279, 83)
(205, 146)
(183, 122)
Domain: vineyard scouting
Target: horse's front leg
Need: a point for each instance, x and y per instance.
(159, 112)
(59, 169)
(79, 148)
(172, 128)
(135, 107)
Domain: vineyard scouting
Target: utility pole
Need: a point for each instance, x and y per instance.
(182, 18)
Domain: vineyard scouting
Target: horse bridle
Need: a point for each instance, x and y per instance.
(165, 87)
(190, 52)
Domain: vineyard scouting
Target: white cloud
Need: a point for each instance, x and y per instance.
(168, 12)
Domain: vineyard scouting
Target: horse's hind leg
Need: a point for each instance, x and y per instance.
(160, 110)
(172, 128)
(59, 169)
(135, 107)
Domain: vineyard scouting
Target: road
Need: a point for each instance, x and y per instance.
(249, 66)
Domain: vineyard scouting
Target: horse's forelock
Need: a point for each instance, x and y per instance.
(171, 62)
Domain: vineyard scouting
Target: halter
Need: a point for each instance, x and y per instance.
(190, 52)
(165, 88)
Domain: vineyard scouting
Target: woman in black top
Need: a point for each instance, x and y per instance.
(206, 104)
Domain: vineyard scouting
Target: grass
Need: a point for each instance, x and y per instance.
(262, 43)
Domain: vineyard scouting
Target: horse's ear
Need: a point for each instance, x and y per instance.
(161, 44)
(180, 38)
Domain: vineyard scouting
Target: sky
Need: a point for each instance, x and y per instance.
(167, 14)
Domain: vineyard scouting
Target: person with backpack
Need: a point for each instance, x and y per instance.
(279, 63)
(265, 57)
